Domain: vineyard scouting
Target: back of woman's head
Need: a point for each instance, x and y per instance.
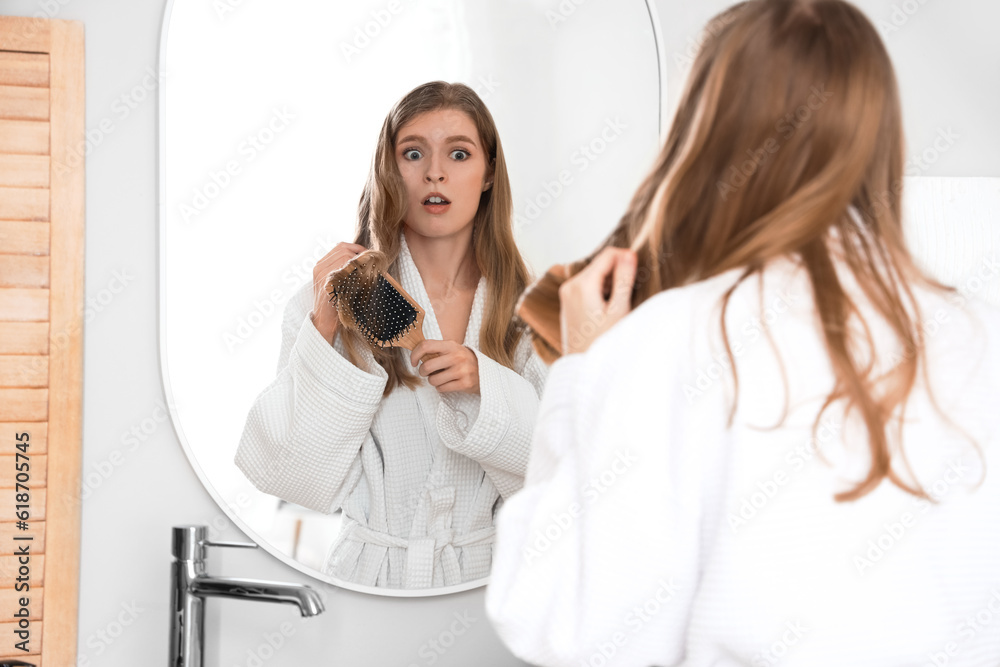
(790, 115)
(790, 118)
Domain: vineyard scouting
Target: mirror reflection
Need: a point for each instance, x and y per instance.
(312, 441)
(417, 462)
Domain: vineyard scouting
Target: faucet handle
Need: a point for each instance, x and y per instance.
(190, 542)
(242, 545)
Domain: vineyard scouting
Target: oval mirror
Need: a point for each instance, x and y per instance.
(269, 116)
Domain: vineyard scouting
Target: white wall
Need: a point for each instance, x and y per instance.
(947, 60)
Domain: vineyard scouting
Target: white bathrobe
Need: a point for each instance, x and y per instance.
(418, 474)
(649, 533)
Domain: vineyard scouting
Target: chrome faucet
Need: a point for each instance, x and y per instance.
(189, 586)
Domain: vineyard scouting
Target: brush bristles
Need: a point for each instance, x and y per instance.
(368, 304)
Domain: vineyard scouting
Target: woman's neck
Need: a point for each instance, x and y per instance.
(445, 263)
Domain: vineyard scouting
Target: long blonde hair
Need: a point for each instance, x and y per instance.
(383, 207)
(791, 118)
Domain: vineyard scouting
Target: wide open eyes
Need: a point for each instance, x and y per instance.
(459, 154)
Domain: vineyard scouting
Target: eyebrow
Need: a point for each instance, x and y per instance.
(449, 140)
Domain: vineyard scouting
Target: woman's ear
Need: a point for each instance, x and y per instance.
(488, 180)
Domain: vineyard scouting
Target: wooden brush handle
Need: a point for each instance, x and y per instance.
(415, 336)
(539, 308)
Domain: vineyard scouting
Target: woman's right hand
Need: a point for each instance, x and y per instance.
(586, 308)
(324, 315)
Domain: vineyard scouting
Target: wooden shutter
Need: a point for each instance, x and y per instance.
(41, 327)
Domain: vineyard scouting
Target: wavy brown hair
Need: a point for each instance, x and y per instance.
(789, 120)
(382, 210)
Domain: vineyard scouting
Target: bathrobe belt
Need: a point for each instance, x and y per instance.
(432, 538)
(422, 552)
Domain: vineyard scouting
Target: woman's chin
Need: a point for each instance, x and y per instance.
(437, 226)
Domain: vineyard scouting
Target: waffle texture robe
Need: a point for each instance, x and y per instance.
(418, 474)
(648, 532)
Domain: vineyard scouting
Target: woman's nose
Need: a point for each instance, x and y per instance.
(435, 172)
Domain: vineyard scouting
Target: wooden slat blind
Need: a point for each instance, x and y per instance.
(41, 323)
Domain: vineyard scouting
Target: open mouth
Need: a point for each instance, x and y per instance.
(436, 200)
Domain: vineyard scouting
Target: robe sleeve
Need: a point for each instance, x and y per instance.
(303, 435)
(494, 428)
(596, 559)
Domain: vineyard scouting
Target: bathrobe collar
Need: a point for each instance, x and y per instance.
(409, 278)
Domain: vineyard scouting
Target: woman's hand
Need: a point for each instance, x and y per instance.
(584, 310)
(324, 315)
(457, 369)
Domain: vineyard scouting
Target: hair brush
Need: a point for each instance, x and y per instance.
(539, 307)
(369, 301)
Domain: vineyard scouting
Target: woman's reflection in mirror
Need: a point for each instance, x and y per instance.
(417, 453)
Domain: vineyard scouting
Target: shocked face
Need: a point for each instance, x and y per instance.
(445, 170)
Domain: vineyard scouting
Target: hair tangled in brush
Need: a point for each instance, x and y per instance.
(359, 276)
